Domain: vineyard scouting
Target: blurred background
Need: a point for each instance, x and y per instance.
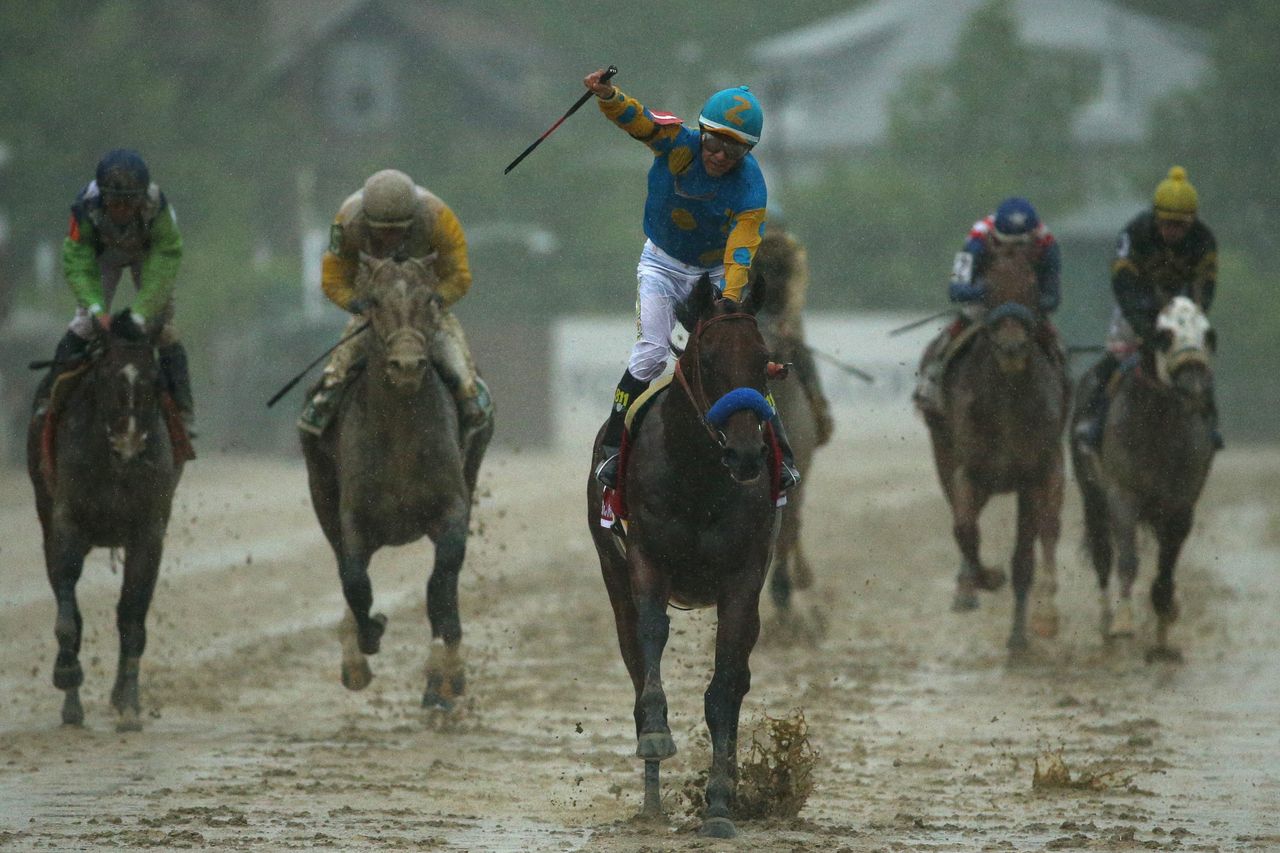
(891, 125)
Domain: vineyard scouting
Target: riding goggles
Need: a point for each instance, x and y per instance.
(718, 144)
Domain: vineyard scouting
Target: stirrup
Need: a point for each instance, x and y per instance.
(607, 470)
(788, 477)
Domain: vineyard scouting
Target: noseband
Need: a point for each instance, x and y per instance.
(712, 417)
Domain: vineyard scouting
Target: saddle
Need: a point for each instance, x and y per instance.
(179, 439)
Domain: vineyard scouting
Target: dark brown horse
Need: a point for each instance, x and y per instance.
(389, 470)
(1001, 431)
(1156, 451)
(104, 476)
(702, 517)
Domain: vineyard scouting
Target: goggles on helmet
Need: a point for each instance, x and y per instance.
(719, 144)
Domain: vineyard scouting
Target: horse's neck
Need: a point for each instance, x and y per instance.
(1011, 279)
(397, 414)
(685, 437)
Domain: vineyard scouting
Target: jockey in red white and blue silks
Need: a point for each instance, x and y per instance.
(704, 213)
(1015, 221)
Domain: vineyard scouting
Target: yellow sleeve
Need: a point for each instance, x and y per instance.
(338, 267)
(744, 239)
(451, 267)
(632, 116)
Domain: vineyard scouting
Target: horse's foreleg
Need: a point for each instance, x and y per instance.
(141, 568)
(737, 629)
(353, 571)
(1118, 604)
(650, 589)
(1023, 565)
(1044, 586)
(1171, 535)
(446, 675)
(967, 501)
(64, 562)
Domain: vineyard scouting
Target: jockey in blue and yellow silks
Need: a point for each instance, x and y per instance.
(704, 213)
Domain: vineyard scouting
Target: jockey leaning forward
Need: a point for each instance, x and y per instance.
(122, 221)
(704, 213)
(392, 217)
(1161, 253)
(1015, 224)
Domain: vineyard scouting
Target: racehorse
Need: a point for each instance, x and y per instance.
(104, 469)
(781, 261)
(1156, 451)
(389, 470)
(1001, 431)
(698, 493)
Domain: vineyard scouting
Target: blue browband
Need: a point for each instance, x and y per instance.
(1021, 313)
(737, 400)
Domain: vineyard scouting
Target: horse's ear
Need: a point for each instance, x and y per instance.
(756, 295)
(698, 305)
(371, 263)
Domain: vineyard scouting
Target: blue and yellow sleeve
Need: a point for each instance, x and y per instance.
(745, 232)
(639, 123)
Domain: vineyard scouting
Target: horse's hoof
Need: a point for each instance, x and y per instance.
(964, 601)
(434, 700)
(371, 638)
(356, 676)
(718, 827)
(129, 721)
(68, 677)
(1163, 654)
(655, 746)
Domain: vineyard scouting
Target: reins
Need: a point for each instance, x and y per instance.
(696, 392)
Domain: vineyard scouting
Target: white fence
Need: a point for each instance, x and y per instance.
(589, 354)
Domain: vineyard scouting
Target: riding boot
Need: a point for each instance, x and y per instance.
(628, 389)
(70, 350)
(474, 412)
(1093, 419)
(173, 364)
(789, 476)
(928, 393)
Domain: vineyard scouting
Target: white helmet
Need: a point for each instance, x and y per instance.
(389, 199)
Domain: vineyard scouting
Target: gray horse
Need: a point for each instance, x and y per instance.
(104, 473)
(1156, 451)
(390, 470)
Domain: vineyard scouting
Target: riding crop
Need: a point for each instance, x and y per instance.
(604, 78)
(295, 380)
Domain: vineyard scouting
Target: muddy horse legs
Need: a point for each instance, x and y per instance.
(1044, 587)
(353, 570)
(1117, 607)
(446, 675)
(141, 569)
(1022, 566)
(64, 561)
(1170, 534)
(967, 501)
(737, 629)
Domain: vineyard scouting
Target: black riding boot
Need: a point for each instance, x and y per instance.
(628, 389)
(1094, 418)
(790, 475)
(173, 364)
(70, 350)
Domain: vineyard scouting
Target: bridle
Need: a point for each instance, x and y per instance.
(695, 391)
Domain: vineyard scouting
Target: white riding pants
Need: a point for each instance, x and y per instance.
(662, 284)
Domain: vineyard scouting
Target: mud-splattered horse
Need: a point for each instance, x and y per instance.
(104, 473)
(1001, 431)
(389, 470)
(1156, 451)
(698, 492)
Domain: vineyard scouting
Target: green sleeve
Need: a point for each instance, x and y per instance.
(160, 267)
(80, 266)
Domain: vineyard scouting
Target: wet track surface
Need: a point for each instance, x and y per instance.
(928, 737)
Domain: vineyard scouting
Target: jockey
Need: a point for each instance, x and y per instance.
(784, 263)
(1015, 223)
(1161, 253)
(122, 221)
(704, 213)
(393, 217)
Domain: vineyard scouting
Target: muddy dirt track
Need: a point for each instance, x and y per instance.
(927, 737)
